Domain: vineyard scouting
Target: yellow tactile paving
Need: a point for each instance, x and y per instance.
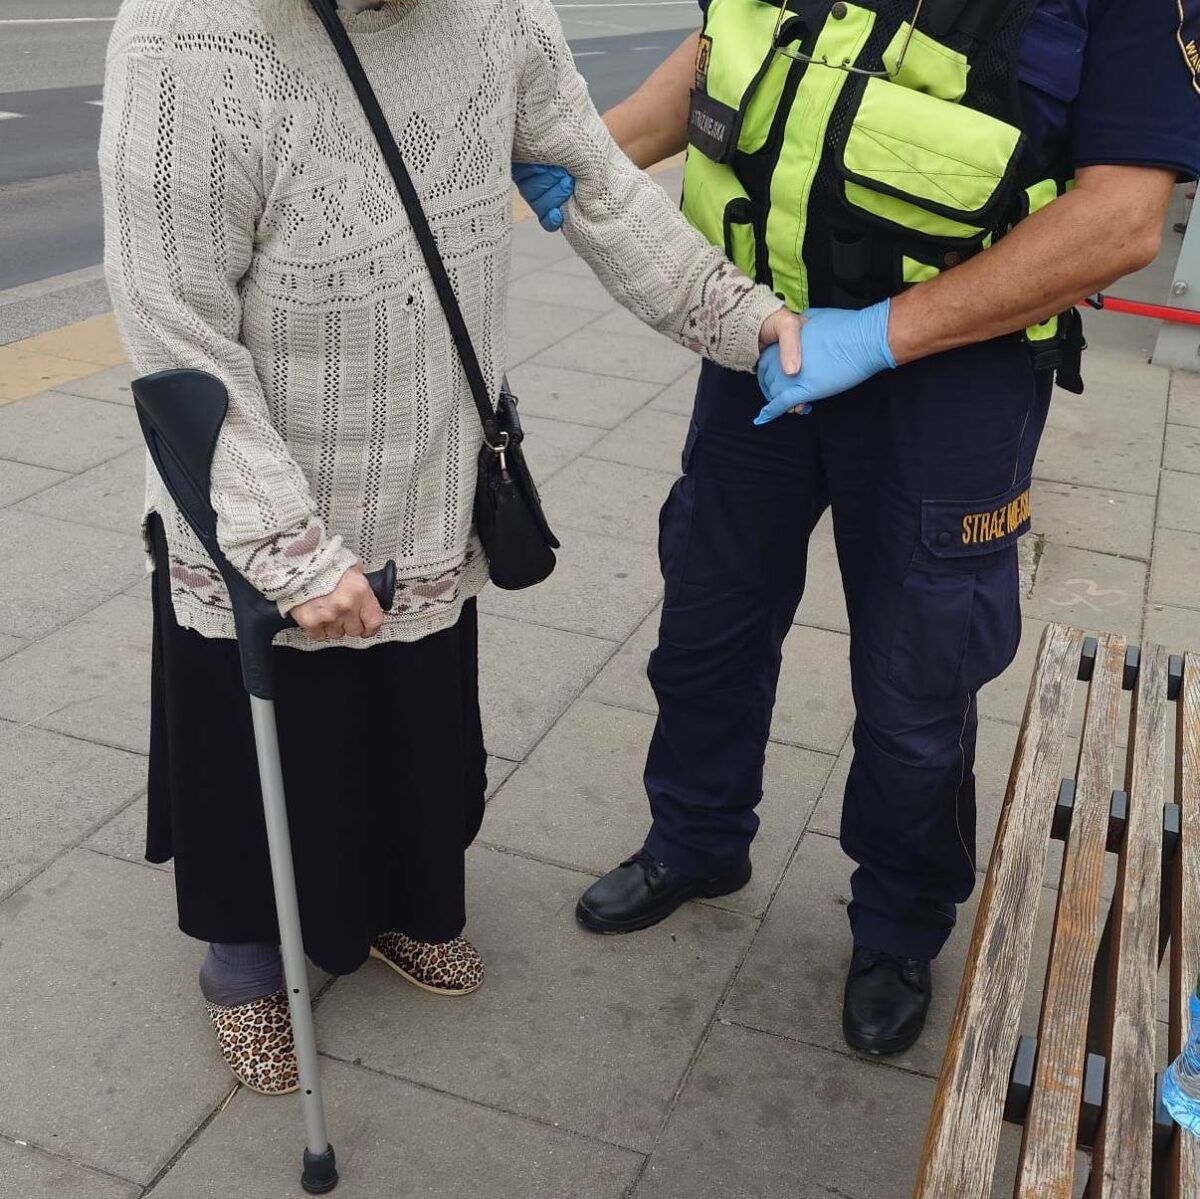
(60, 356)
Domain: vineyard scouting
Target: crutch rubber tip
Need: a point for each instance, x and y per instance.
(320, 1172)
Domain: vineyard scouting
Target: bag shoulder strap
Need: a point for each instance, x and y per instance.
(326, 10)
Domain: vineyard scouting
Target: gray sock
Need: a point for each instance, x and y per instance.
(233, 974)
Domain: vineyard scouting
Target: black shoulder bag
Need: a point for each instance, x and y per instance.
(508, 512)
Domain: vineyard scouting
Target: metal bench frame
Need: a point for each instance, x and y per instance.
(1088, 1078)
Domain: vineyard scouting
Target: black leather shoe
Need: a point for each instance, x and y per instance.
(641, 892)
(887, 999)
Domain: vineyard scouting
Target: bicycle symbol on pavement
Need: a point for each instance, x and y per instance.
(1110, 597)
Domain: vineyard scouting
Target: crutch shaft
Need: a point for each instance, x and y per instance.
(283, 876)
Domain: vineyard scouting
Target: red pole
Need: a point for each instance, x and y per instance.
(1156, 312)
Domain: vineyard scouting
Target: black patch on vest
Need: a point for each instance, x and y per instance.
(712, 127)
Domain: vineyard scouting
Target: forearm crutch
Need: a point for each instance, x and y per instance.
(181, 413)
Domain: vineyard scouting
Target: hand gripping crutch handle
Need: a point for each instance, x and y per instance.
(181, 413)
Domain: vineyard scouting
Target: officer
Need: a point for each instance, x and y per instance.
(934, 183)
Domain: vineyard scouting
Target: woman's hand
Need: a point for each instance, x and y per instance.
(349, 610)
(842, 348)
(782, 328)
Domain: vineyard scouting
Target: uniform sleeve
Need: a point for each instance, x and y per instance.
(621, 222)
(1139, 102)
(180, 213)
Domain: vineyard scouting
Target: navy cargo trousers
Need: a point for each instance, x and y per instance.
(927, 471)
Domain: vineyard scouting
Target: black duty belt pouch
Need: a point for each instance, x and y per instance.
(508, 511)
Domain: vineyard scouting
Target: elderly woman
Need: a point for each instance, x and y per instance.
(253, 232)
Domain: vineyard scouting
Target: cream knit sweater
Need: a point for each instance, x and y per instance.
(253, 231)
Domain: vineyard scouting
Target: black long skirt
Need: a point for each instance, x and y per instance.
(384, 767)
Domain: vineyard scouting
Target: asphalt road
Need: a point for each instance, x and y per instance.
(51, 69)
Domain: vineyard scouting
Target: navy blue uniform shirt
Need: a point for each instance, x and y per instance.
(1112, 82)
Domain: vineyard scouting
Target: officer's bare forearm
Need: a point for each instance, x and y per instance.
(652, 123)
(1109, 225)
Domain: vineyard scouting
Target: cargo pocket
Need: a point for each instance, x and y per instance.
(958, 622)
(925, 167)
(927, 65)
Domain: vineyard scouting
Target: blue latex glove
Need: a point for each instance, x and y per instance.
(545, 189)
(839, 348)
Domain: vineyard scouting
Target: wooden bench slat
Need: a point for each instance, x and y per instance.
(959, 1155)
(1123, 1158)
(1184, 1168)
(1047, 1169)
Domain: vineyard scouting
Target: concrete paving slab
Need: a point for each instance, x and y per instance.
(111, 385)
(993, 761)
(529, 676)
(611, 498)
(1112, 436)
(604, 587)
(1097, 592)
(9, 645)
(1185, 399)
(579, 799)
(106, 1053)
(1181, 450)
(621, 320)
(576, 396)
(824, 602)
(589, 1033)
(65, 432)
(623, 680)
(765, 1118)
(650, 439)
(55, 571)
(520, 265)
(552, 444)
(680, 396)
(109, 496)
(90, 679)
(1176, 628)
(19, 479)
(1179, 501)
(27, 1173)
(1004, 698)
(56, 790)
(793, 978)
(538, 321)
(1175, 576)
(1093, 518)
(618, 355)
(814, 707)
(124, 837)
(393, 1139)
(580, 291)
(529, 238)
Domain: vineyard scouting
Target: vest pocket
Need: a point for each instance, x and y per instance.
(928, 66)
(716, 203)
(925, 166)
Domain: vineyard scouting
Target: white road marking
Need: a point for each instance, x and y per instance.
(588, 53)
(97, 103)
(57, 20)
(11, 116)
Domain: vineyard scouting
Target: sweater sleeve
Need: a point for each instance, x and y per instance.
(620, 221)
(180, 211)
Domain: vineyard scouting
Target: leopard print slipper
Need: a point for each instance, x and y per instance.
(447, 968)
(256, 1042)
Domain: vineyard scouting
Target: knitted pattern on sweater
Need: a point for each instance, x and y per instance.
(253, 231)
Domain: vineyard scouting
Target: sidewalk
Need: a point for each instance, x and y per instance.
(700, 1059)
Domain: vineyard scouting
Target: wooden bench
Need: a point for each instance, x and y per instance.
(1086, 1076)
